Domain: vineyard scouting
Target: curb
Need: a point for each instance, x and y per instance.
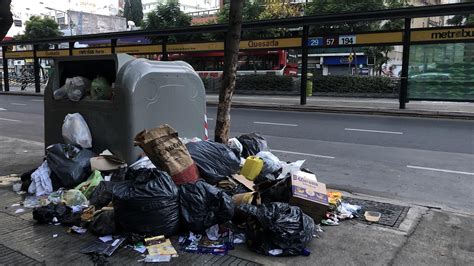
(19, 93)
(353, 110)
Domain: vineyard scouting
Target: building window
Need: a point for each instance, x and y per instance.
(17, 23)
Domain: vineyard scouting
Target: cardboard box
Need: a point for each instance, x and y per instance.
(310, 196)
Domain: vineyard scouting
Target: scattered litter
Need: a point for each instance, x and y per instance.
(55, 235)
(275, 252)
(139, 247)
(213, 232)
(239, 238)
(196, 243)
(78, 230)
(105, 238)
(164, 248)
(16, 204)
(372, 216)
(16, 187)
(19, 211)
(40, 181)
(103, 248)
(157, 258)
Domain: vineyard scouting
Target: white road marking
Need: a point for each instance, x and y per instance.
(37, 100)
(374, 131)
(439, 170)
(10, 120)
(24, 141)
(210, 119)
(305, 154)
(276, 124)
(18, 103)
(2, 109)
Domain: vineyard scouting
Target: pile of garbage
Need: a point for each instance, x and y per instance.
(211, 195)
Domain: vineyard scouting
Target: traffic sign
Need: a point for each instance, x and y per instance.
(347, 40)
(316, 41)
(331, 41)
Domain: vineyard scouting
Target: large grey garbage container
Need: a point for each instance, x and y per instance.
(147, 94)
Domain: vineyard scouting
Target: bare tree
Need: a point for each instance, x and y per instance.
(231, 56)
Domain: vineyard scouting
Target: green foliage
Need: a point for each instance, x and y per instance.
(168, 15)
(252, 11)
(353, 84)
(263, 83)
(133, 11)
(380, 53)
(322, 7)
(459, 20)
(39, 28)
(252, 83)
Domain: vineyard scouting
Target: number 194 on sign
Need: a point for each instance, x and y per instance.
(347, 39)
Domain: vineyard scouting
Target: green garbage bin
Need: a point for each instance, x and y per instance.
(309, 85)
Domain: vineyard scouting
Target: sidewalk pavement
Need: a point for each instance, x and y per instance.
(376, 106)
(426, 236)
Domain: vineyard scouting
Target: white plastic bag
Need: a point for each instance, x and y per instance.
(76, 131)
(271, 163)
(143, 162)
(235, 145)
(77, 87)
(290, 168)
(60, 93)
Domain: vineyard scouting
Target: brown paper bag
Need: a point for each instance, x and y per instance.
(168, 153)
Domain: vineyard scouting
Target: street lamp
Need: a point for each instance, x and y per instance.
(64, 12)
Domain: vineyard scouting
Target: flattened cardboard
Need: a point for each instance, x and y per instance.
(244, 181)
(101, 163)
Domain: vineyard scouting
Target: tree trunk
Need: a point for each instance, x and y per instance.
(231, 54)
(6, 18)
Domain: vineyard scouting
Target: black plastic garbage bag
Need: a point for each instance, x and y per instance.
(69, 163)
(148, 204)
(252, 143)
(276, 190)
(203, 205)
(215, 161)
(46, 214)
(103, 223)
(102, 194)
(277, 226)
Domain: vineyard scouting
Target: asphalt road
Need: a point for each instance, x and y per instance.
(422, 161)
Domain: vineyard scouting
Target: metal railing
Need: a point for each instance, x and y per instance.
(296, 22)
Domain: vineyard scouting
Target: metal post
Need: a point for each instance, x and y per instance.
(164, 52)
(405, 64)
(6, 83)
(304, 64)
(71, 47)
(113, 44)
(36, 68)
